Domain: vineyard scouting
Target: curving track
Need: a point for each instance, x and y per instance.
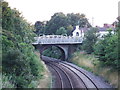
(64, 80)
(66, 75)
(88, 82)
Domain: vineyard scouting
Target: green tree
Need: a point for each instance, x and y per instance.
(69, 29)
(90, 40)
(77, 19)
(107, 49)
(18, 59)
(68, 21)
(61, 31)
(57, 20)
(7, 17)
(39, 26)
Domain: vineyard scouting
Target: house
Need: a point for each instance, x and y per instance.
(105, 29)
(79, 32)
(76, 32)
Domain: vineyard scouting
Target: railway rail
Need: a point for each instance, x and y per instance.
(75, 79)
(65, 81)
(85, 79)
(70, 76)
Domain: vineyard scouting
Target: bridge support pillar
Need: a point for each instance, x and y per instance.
(65, 48)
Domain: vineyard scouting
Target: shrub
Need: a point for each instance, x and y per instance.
(6, 82)
(107, 50)
(20, 64)
(90, 40)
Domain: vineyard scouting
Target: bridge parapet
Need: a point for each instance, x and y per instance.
(57, 39)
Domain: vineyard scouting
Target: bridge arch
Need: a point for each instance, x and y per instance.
(61, 48)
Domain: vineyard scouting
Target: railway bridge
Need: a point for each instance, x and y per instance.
(66, 44)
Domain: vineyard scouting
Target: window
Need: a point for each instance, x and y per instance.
(77, 33)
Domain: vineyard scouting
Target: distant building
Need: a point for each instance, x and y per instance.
(105, 29)
(79, 32)
(76, 32)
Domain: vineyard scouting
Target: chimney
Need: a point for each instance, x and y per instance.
(105, 25)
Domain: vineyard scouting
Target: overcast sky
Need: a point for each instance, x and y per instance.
(102, 11)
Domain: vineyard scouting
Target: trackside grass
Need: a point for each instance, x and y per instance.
(90, 63)
(45, 81)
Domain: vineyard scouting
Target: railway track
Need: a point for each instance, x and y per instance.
(64, 80)
(58, 82)
(88, 82)
(67, 75)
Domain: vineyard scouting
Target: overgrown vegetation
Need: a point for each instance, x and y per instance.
(92, 64)
(90, 39)
(105, 48)
(101, 55)
(21, 68)
(107, 51)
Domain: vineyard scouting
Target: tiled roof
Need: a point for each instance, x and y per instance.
(102, 29)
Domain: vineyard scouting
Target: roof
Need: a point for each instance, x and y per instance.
(104, 29)
(84, 29)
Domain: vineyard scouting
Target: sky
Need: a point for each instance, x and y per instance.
(98, 12)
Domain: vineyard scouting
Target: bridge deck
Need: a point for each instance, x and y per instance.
(57, 40)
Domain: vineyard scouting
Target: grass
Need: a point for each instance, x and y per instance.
(90, 63)
(45, 81)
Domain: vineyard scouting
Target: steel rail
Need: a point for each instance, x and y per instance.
(62, 63)
(76, 75)
(64, 73)
(59, 75)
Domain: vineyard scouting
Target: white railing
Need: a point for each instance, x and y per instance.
(57, 39)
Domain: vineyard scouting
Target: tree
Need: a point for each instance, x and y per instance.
(107, 49)
(90, 40)
(57, 20)
(69, 29)
(68, 21)
(18, 59)
(61, 31)
(39, 26)
(7, 17)
(77, 19)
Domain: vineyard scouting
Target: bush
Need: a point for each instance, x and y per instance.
(90, 40)
(107, 50)
(6, 82)
(19, 63)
